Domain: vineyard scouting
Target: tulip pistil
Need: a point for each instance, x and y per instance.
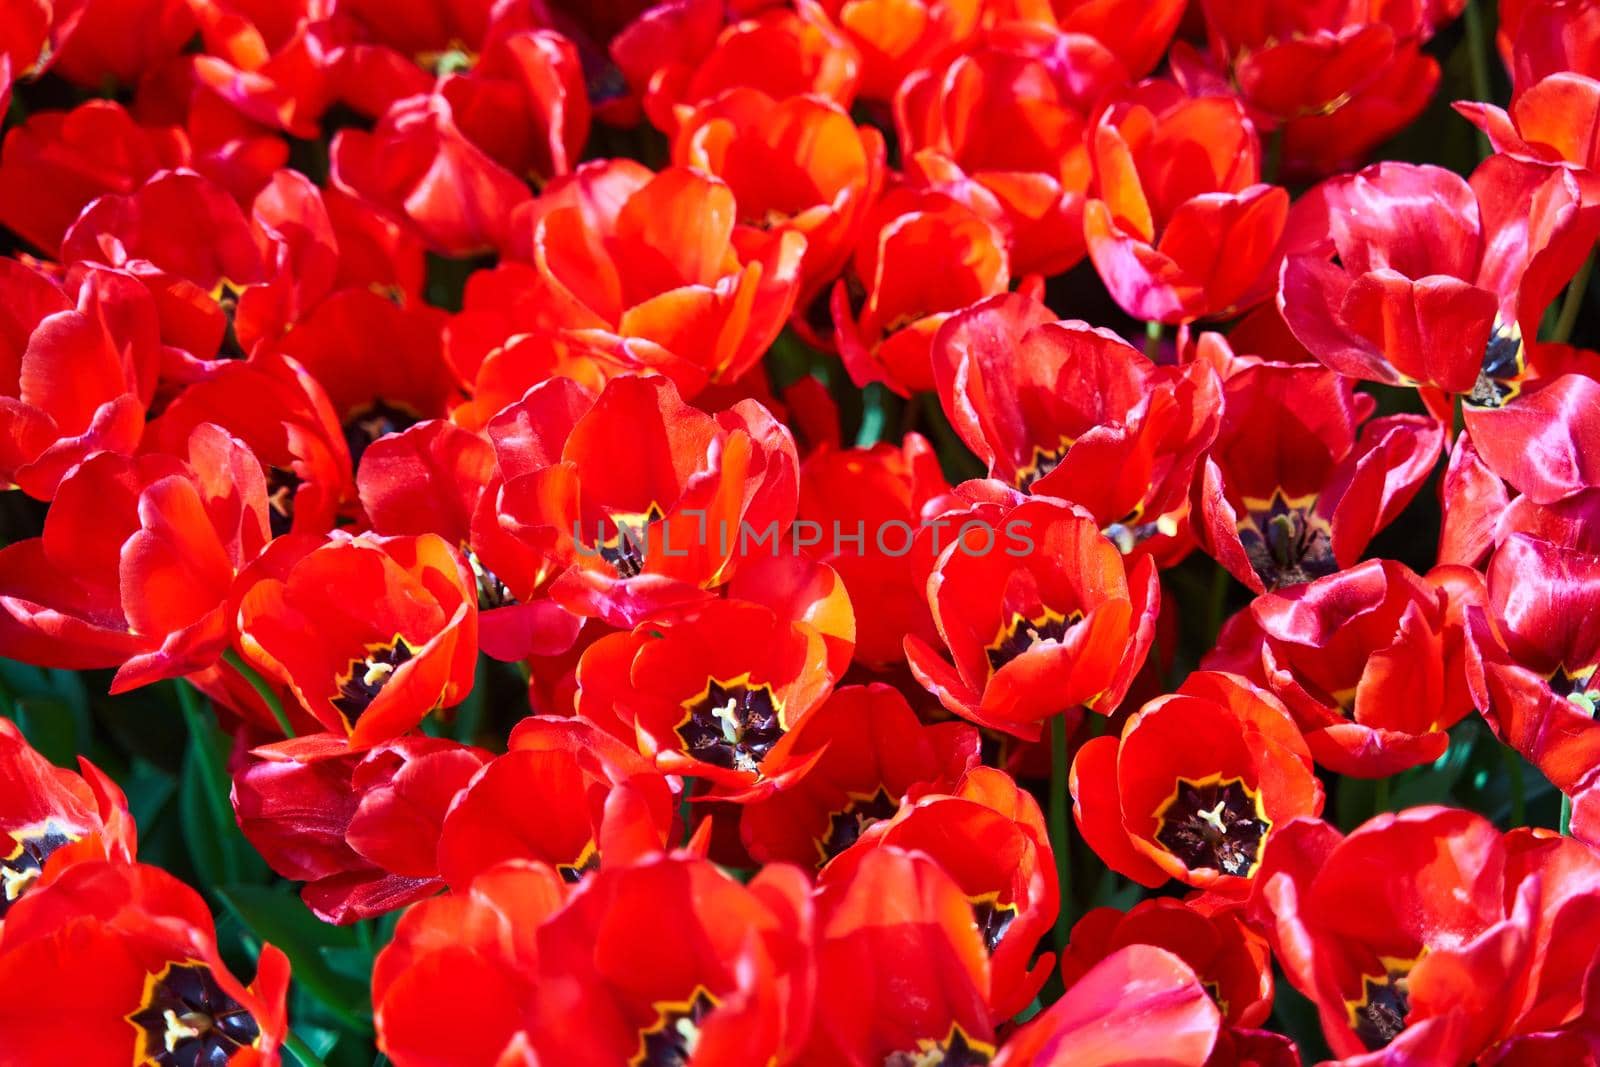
(731, 724)
(23, 865)
(955, 1050)
(1286, 541)
(187, 1018)
(1214, 824)
(1023, 634)
(361, 682)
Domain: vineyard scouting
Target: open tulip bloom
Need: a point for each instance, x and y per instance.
(799, 533)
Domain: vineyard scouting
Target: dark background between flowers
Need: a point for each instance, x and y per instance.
(162, 746)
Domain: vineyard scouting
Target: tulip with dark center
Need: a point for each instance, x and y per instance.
(282, 485)
(957, 1050)
(187, 1020)
(360, 685)
(733, 725)
(1043, 463)
(846, 825)
(1214, 824)
(586, 861)
(626, 550)
(492, 590)
(22, 867)
(1023, 634)
(371, 421)
(672, 1040)
(1504, 364)
(1580, 687)
(993, 919)
(1380, 1014)
(226, 294)
(1286, 542)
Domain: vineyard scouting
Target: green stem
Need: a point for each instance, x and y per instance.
(874, 400)
(1380, 796)
(1478, 57)
(1058, 826)
(686, 810)
(1566, 814)
(263, 690)
(1152, 340)
(1519, 798)
(1573, 301)
(301, 1050)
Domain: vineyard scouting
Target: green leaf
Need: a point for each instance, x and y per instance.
(48, 726)
(203, 833)
(149, 790)
(280, 917)
(51, 708)
(218, 849)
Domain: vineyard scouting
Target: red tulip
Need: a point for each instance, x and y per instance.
(1295, 486)
(129, 954)
(419, 168)
(878, 494)
(627, 259)
(1063, 409)
(1429, 933)
(566, 794)
(798, 165)
(359, 827)
(54, 819)
(1039, 615)
(636, 537)
(903, 971)
(1231, 960)
(56, 163)
(872, 753)
(1438, 281)
(1370, 662)
(989, 835)
(678, 55)
(79, 369)
(1153, 228)
(137, 564)
(922, 256)
(1001, 126)
(1196, 785)
(1135, 996)
(375, 674)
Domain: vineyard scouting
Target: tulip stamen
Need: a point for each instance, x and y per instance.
(993, 918)
(186, 1017)
(185, 1027)
(365, 677)
(24, 864)
(956, 1050)
(1286, 541)
(373, 420)
(1023, 634)
(732, 724)
(1214, 824)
